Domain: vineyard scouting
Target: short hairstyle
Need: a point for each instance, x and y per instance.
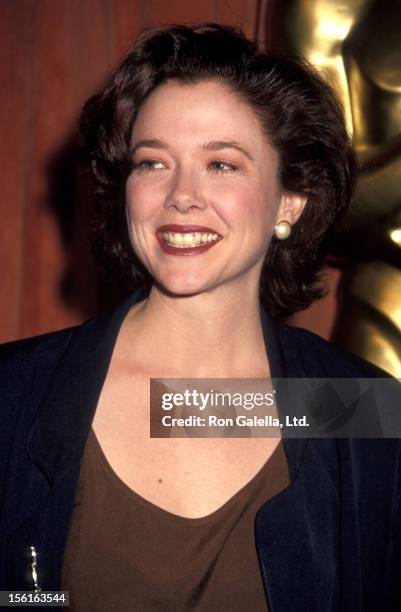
(298, 111)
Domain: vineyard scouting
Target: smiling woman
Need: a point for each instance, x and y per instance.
(220, 173)
(208, 185)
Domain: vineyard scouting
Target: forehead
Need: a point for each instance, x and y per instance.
(208, 109)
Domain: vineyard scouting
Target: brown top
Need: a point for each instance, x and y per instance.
(124, 552)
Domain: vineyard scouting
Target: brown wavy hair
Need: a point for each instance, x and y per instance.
(298, 111)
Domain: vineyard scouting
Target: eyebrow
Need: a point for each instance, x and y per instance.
(213, 145)
(218, 145)
(152, 143)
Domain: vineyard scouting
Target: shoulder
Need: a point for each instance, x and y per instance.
(26, 366)
(320, 358)
(27, 352)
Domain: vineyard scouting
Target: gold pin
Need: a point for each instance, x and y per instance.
(34, 570)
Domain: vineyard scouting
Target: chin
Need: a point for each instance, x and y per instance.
(182, 285)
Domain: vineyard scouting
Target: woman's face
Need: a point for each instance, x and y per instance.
(203, 197)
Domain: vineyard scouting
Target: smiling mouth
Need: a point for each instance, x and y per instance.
(186, 240)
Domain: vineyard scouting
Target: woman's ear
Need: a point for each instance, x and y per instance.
(291, 207)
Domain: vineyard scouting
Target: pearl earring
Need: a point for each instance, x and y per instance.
(282, 230)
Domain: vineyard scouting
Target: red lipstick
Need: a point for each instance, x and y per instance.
(171, 249)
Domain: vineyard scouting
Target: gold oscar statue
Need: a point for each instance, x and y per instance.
(356, 44)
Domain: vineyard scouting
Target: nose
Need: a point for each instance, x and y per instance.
(185, 192)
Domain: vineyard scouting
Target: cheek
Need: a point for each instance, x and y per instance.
(131, 199)
(141, 200)
(249, 206)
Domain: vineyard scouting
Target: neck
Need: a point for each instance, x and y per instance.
(212, 334)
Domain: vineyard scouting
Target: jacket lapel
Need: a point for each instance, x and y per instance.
(297, 531)
(297, 537)
(58, 436)
(54, 447)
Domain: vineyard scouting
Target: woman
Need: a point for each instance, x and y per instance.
(220, 174)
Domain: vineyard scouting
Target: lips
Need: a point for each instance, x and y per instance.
(186, 239)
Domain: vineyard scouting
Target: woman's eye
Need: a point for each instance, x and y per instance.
(148, 165)
(220, 166)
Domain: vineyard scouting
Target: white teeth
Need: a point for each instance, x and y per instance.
(188, 240)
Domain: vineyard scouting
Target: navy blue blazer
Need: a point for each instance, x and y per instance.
(331, 541)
